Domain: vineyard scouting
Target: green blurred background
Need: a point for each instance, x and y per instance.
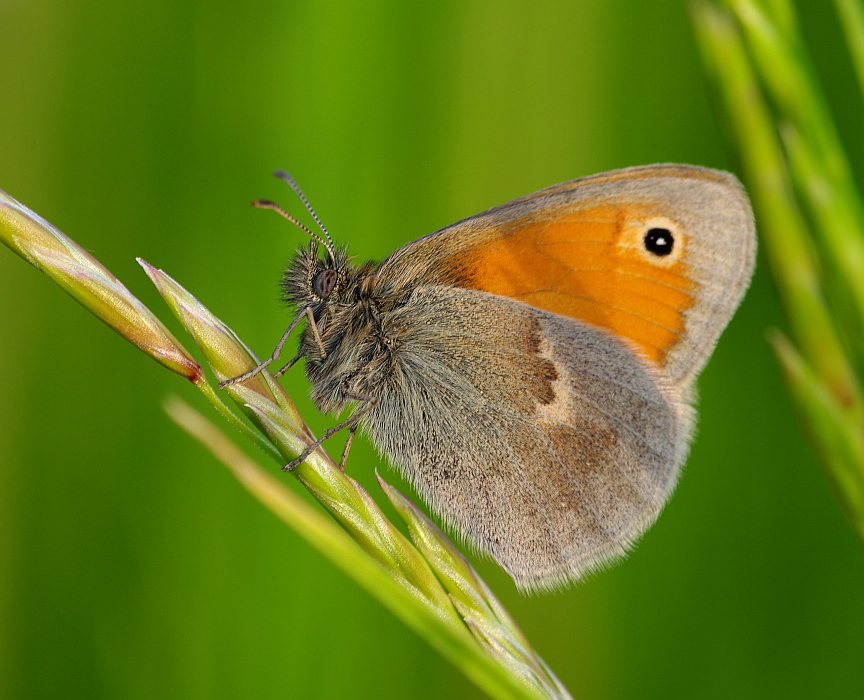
(133, 566)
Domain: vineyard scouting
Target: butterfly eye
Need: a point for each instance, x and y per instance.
(323, 283)
(659, 241)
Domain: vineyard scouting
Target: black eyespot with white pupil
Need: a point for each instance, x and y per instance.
(323, 283)
(659, 241)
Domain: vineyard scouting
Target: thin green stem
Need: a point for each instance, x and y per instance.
(782, 225)
(851, 14)
(841, 439)
(827, 184)
(810, 270)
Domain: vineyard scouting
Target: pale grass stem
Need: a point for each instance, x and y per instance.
(426, 582)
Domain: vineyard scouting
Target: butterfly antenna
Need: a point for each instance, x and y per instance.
(286, 177)
(267, 204)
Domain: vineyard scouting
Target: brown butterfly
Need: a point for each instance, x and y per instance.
(530, 369)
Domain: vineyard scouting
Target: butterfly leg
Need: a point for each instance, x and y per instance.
(352, 421)
(272, 358)
(311, 318)
(351, 431)
(288, 365)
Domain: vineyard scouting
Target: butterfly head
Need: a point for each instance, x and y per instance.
(313, 281)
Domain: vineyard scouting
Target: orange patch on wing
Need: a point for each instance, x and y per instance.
(589, 265)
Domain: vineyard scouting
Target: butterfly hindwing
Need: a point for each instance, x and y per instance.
(548, 444)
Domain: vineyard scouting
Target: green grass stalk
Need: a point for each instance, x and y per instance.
(794, 163)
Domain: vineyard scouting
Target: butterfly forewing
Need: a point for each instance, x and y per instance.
(589, 250)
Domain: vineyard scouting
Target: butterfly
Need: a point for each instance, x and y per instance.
(530, 369)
